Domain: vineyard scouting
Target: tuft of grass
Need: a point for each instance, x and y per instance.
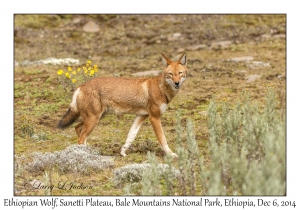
(135, 172)
(39, 21)
(27, 130)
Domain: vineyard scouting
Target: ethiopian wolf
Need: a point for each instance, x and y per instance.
(144, 97)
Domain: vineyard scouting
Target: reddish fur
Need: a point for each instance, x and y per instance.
(138, 96)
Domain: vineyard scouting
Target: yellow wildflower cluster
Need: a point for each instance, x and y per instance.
(72, 76)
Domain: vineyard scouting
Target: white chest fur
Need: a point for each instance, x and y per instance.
(163, 107)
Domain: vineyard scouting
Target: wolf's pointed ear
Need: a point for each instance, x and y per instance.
(182, 59)
(166, 61)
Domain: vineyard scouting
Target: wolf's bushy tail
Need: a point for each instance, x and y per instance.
(68, 119)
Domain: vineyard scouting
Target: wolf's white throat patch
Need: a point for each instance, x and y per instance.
(74, 100)
(163, 107)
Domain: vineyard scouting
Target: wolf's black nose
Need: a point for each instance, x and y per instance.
(176, 83)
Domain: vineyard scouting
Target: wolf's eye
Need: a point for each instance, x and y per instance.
(180, 72)
(170, 74)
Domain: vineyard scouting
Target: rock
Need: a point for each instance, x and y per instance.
(197, 47)
(49, 61)
(279, 36)
(76, 20)
(260, 63)
(280, 77)
(147, 73)
(174, 37)
(265, 36)
(241, 72)
(180, 50)
(203, 113)
(252, 78)
(91, 27)
(221, 45)
(60, 61)
(255, 64)
(239, 59)
(177, 35)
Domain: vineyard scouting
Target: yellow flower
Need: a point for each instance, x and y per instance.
(79, 69)
(92, 72)
(73, 72)
(96, 68)
(88, 63)
(73, 80)
(59, 72)
(69, 68)
(67, 75)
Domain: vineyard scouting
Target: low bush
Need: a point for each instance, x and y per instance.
(135, 172)
(247, 154)
(74, 159)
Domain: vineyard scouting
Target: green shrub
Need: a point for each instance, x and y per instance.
(246, 154)
(247, 147)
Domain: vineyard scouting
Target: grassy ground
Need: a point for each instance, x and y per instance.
(127, 44)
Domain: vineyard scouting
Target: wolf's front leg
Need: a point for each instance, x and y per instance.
(137, 123)
(156, 124)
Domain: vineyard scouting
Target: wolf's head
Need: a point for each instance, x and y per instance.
(175, 72)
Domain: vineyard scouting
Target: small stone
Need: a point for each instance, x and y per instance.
(203, 113)
(174, 37)
(260, 63)
(244, 58)
(241, 71)
(196, 47)
(177, 35)
(279, 76)
(77, 20)
(91, 27)
(266, 36)
(221, 45)
(279, 36)
(180, 50)
(252, 78)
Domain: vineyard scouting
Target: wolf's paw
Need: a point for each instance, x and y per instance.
(173, 155)
(123, 154)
